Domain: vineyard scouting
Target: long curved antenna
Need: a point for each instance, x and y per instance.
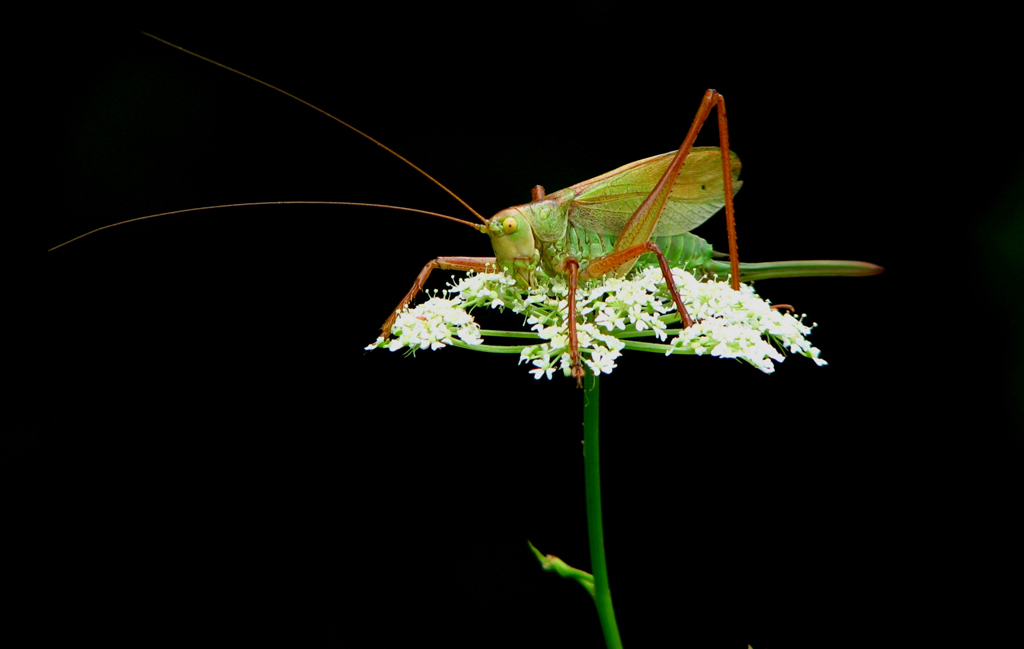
(214, 207)
(320, 110)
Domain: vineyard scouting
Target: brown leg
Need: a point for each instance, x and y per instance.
(730, 211)
(640, 226)
(604, 265)
(479, 264)
(573, 268)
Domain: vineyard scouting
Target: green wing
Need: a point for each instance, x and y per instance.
(604, 204)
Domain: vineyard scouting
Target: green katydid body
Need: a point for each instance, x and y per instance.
(583, 222)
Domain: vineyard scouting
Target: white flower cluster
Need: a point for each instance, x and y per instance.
(613, 314)
(431, 324)
(737, 324)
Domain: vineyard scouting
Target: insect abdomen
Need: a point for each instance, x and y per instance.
(685, 250)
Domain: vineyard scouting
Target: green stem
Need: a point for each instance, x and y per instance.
(509, 334)
(592, 473)
(493, 349)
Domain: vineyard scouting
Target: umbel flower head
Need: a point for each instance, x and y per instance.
(616, 314)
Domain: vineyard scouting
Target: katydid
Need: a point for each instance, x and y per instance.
(639, 213)
(604, 225)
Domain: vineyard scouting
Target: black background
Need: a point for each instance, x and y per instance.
(204, 447)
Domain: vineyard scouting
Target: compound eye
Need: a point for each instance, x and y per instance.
(510, 225)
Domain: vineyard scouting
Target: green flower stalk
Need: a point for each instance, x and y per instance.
(615, 315)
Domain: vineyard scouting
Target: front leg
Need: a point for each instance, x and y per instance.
(479, 264)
